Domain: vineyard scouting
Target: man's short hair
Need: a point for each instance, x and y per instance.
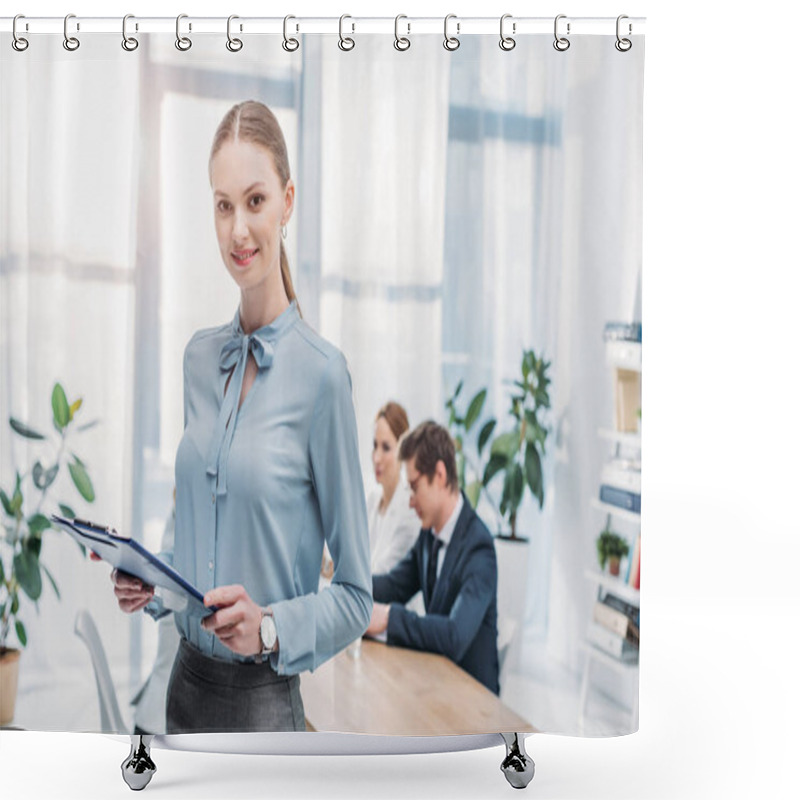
(427, 444)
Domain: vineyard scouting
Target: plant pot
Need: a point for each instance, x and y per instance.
(613, 565)
(9, 674)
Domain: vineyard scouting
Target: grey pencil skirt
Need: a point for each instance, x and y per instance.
(209, 695)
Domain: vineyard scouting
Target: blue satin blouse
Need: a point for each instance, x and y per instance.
(260, 489)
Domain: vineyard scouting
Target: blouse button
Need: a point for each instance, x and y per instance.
(211, 565)
(213, 498)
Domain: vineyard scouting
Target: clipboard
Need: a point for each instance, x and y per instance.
(129, 556)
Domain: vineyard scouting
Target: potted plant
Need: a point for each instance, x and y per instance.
(459, 425)
(517, 454)
(24, 522)
(611, 548)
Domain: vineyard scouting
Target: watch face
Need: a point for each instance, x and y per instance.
(268, 633)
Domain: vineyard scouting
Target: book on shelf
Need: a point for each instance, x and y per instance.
(623, 473)
(609, 642)
(634, 563)
(629, 501)
(623, 606)
(622, 331)
(616, 621)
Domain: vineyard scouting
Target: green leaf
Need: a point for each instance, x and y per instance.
(16, 500)
(533, 473)
(38, 523)
(43, 478)
(2, 573)
(515, 482)
(26, 567)
(6, 503)
(60, 407)
(485, 434)
(88, 425)
(506, 444)
(496, 464)
(458, 389)
(81, 480)
(15, 603)
(475, 409)
(21, 635)
(52, 581)
(473, 492)
(67, 512)
(23, 430)
(460, 466)
(33, 544)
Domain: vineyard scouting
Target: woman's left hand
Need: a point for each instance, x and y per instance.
(237, 621)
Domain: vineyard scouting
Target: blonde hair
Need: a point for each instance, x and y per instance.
(252, 121)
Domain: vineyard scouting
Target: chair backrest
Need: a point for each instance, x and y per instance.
(506, 628)
(111, 720)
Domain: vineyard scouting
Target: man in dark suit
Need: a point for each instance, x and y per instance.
(453, 562)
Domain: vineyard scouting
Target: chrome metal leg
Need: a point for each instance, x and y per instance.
(138, 768)
(517, 766)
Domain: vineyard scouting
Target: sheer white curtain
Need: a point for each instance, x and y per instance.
(67, 294)
(383, 166)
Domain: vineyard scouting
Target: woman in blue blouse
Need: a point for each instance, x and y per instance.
(267, 470)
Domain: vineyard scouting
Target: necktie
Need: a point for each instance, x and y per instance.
(432, 561)
(233, 355)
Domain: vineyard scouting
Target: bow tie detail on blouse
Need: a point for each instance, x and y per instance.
(233, 355)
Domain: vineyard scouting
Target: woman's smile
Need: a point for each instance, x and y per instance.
(243, 258)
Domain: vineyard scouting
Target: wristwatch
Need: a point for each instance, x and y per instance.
(269, 635)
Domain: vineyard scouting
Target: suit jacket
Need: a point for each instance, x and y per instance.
(461, 618)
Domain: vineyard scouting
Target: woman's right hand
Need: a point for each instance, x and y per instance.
(132, 594)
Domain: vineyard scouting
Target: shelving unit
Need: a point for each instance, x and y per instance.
(626, 357)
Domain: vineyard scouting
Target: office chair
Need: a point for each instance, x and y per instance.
(111, 720)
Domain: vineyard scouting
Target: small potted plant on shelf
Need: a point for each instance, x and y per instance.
(24, 522)
(611, 549)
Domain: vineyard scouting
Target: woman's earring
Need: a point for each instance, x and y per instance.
(283, 231)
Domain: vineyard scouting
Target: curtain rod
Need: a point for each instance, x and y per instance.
(459, 26)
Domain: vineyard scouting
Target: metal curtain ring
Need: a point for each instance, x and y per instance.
(507, 42)
(183, 43)
(234, 45)
(561, 43)
(451, 42)
(129, 43)
(19, 43)
(623, 45)
(70, 42)
(401, 42)
(346, 43)
(290, 44)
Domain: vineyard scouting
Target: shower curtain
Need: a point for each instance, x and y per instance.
(466, 233)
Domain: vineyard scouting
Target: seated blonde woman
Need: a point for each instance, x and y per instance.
(393, 525)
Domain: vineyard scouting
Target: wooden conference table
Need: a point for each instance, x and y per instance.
(394, 691)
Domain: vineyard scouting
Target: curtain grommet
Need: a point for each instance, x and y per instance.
(346, 43)
(451, 43)
(561, 43)
(507, 43)
(19, 43)
(233, 44)
(623, 44)
(71, 43)
(183, 43)
(129, 43)
(289, 44)
(401, 43)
